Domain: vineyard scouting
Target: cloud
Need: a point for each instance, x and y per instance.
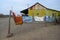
(18, 5)
(13, 0)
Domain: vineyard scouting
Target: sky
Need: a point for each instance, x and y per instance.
(19, 5)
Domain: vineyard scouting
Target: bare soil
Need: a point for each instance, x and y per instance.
(29, 31)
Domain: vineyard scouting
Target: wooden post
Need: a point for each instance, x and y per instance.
(9, 33)
(33, 16)
(46, 13)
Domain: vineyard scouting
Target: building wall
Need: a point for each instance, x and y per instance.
(38, 10)
(50, 12)
(42, 12)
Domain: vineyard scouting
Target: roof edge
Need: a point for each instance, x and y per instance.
(42, 6)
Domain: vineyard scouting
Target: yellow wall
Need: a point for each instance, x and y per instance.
(42, 12)
(50, 12)
(34, 12)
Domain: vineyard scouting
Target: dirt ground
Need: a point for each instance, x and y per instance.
(29, 31)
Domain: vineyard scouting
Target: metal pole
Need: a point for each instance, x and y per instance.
(9, 33)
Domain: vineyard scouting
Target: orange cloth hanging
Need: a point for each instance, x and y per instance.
(18, 19)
